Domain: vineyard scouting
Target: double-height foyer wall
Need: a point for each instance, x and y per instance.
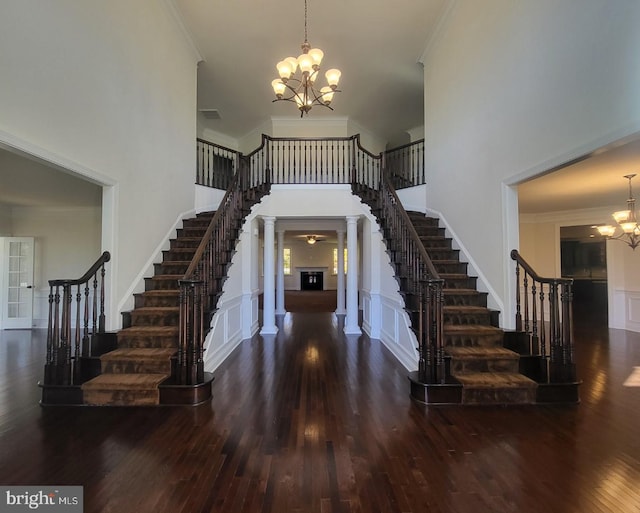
(88, 87)
(513, 89)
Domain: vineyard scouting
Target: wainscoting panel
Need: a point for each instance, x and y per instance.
(627, 308)
(225, 334)
(386, 320)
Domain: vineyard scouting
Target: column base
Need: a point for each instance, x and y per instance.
(269, 330)
(352, 330)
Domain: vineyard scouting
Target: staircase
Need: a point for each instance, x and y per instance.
(473, 343)
(148, 342)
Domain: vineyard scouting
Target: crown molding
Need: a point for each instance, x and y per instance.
(176, 16)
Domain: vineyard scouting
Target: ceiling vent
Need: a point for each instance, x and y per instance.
(211, 113)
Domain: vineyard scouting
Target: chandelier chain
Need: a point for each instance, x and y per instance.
(305, 21)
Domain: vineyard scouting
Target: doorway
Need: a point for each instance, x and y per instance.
(311, 280)
(17, 282)
(583, 257)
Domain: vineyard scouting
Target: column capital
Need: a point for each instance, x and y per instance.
(352, 219)
(269, 219)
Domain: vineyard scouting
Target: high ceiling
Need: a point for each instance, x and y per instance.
(596, 181)
(376, 44)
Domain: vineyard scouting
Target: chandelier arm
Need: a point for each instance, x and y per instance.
(632, 240)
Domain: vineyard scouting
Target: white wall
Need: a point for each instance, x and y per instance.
(108, 90)
(512, 89)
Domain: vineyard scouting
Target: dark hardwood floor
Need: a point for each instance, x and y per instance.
(312, 421)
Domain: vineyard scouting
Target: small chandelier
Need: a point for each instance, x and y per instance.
(627, 222)
(300, 89)
(311, 239)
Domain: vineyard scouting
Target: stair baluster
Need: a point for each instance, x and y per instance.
(557, 355)
(65, 344)
(416, 267)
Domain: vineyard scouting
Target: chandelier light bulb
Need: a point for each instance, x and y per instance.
(621, 216)
(333, 77)
(607, 230)
(306, 63)
(284, 69)
(327, 94)
(316, 55)
(293, 63)
(278, 87)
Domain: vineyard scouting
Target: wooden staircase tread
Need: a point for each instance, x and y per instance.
(495, 380)
(140, 353)
(124, 381)
(481, 352)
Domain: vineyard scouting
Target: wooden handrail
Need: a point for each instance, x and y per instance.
(103, 259)
(515, 255)
(414, 234)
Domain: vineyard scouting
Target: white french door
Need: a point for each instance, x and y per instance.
(17, 279)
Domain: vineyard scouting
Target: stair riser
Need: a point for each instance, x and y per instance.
(453, 299)
(463, 282)
(133, 341)
(498, 395)
(195, 232)
(142, 300)
(171, 268)
(430, 231)
(157, 283)
(122, 397)
(437, 244)
(136, 367)
(444, 254)
(467, 319)
(182, 255)
(155, 319)
(451, 267)
(464, 365)
(424, 221)
(197, 222)
(186, 242)
(473, 340)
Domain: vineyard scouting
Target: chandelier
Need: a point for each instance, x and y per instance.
(627, 222)
(300, 88)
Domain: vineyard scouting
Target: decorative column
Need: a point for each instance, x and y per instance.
(340, 310)
(351, 322)
(280, 275)
(269, 314)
